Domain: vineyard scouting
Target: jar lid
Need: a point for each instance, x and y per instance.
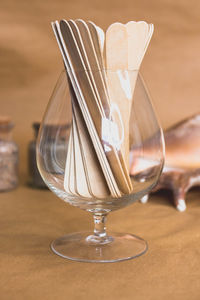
(5, 122)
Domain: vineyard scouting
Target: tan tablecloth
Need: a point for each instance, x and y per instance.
(30, 219)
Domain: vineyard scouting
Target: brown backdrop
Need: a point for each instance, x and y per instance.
(30, 65)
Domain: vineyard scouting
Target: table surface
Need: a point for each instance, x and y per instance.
(31, 219)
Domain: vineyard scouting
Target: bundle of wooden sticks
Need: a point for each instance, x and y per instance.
(102, 71)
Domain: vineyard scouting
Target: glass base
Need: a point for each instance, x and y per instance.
(83, 246)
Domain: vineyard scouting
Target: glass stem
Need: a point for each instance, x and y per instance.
(99, 225)
(100, 236)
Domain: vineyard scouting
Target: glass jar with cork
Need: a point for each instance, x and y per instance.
(35, 179)
(9, 156)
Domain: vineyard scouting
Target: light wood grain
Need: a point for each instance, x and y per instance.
(90, 126)
(90, 97)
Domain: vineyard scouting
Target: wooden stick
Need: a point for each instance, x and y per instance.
(125, 49)
(96, 180)
(89, 122)
(90, 98)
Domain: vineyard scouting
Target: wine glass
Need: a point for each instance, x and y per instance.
(100, 156)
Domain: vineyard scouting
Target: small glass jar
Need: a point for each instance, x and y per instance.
(9, 156)
(34, 175)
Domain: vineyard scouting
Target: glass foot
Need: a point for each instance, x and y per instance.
(82, 246)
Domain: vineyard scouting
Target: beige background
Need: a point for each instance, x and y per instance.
(30, 64)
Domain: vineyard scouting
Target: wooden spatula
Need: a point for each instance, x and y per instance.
(98, 38)
(69, 173)
(95, 61)
(115, 192)
(96, 180)
(95, 71)
(116, 63)
(98, 80)
(83, 172)
(92, 103)
(130, 41)
(86, 46)
(90, 181)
